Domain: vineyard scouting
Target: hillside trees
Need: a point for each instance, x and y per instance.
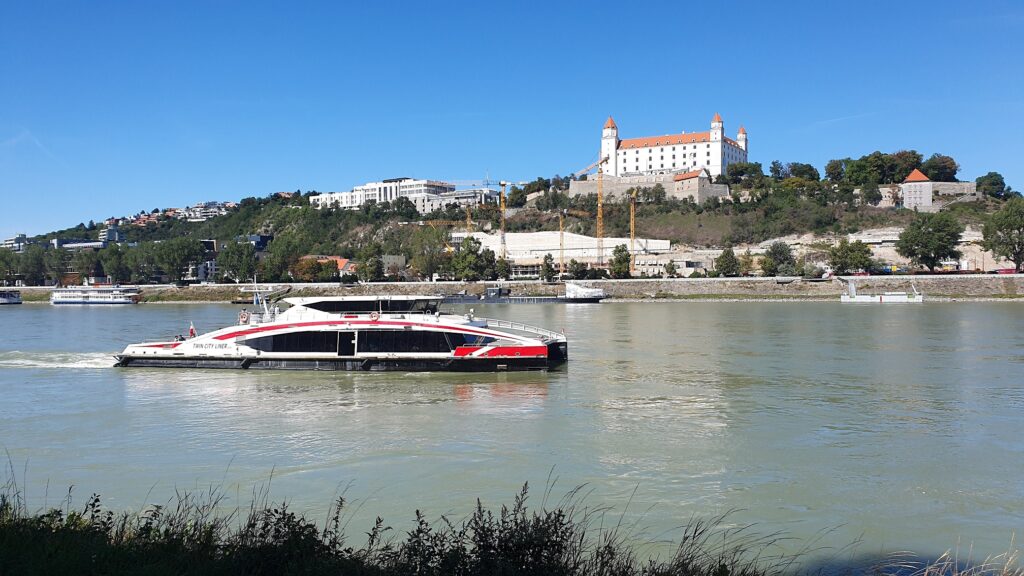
(174, 256)
(778, 259)
(114, 263)
(930, 239)
(992, 184)
(1003, 233)
(849, 256)
(940, 168)
(237, 261)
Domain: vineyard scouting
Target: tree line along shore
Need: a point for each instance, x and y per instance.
(792, 198)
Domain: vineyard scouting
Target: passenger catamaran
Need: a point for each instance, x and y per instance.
(359, 333)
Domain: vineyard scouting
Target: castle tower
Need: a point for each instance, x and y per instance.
(741, 138)
(610, 147)
(716, 128)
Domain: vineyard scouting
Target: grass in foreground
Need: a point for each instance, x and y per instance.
(188, 537)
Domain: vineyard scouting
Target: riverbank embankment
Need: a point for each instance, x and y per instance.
(938, 287)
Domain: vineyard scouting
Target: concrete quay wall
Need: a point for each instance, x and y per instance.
(941, 286)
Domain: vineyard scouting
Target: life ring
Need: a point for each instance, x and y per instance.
(243, 317)
(374, 316)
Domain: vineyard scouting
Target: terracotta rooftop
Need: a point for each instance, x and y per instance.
(610, 123)
(717, 118)
(743, 130)
(667, 140)
(688, 175)
(917, 176)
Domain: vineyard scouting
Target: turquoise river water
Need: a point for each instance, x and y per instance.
(901, 427)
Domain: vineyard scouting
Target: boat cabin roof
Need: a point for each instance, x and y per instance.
(366, 304)
(310, 299)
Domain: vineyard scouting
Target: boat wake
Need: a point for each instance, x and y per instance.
(75, 360)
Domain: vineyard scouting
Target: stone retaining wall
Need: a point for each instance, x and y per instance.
(951, 286)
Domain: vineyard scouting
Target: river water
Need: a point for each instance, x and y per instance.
(901, 427)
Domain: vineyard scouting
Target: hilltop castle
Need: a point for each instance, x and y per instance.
(685, 164)
(683, 152)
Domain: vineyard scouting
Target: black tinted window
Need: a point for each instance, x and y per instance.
(296, 342)
(402, 341)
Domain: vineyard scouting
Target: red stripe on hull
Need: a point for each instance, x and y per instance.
(259, 329)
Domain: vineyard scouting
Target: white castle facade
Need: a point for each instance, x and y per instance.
(711, 150)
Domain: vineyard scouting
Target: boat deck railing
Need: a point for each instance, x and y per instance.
(495, 323)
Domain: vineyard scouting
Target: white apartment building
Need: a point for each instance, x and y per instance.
(383, 191)
(710, 150)
(203, 211)
(426, 203)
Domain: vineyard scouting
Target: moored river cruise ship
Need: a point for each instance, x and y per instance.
(10, 297)
(359, 333)
(95, 295)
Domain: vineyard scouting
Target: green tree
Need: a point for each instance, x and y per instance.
(237, 261)
(940, 168)
(992, 184)
(930, 239)
(746, 263)
(84, 262)
(174, 256)
(547, 268)
(778, 170)
(778, 258)
(903, 162)
(870, 194)
(801, 170)
(516, 197)
(835, 170)
(428, 250)
(670, 269)
(1003, 233)
(848, 256)
(112, 258)
(727, 264)
(620, 262)
(141, 262)
(306, 270)
(576, 270)
(502, 268)
(465, 263)
(371, 269)
(32, 265)
(56, 263)
(8, 264)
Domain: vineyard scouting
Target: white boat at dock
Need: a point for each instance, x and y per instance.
(10, 297)
(851, 295)
(95, 295)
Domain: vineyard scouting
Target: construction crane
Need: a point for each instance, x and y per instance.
(600, 205)
(632, 231)
(561, 234)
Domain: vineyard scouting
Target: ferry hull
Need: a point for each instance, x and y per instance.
(355, 365)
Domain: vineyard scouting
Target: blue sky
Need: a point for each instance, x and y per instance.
(108, 108)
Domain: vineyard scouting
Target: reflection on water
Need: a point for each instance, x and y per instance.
(900, 425)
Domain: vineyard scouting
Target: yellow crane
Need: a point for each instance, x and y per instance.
(561, 234)
(600, 205)
(632, 231)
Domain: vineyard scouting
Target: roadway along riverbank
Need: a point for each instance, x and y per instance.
(941, 287)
